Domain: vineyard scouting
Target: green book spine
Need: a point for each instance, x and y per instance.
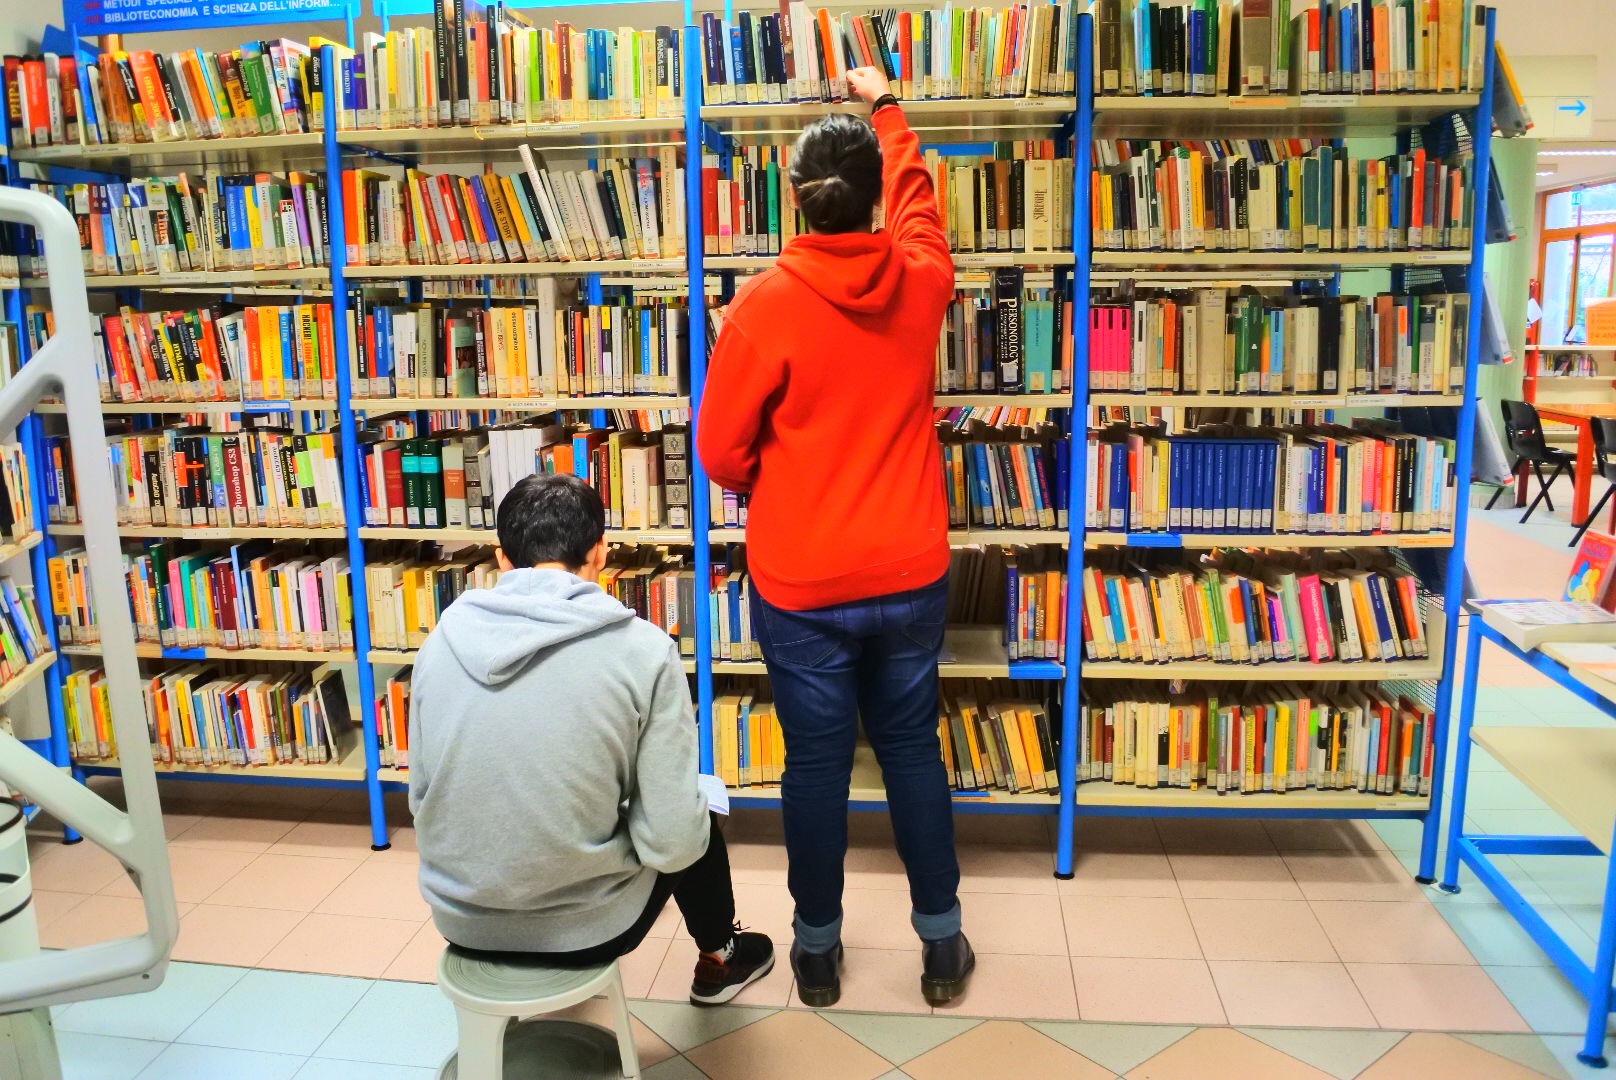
(252, 72)
(773, 184)
(410, 466)
(433, 508)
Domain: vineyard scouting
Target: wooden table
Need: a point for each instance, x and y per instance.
(1583, 474)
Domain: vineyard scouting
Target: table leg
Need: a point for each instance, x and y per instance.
(1599, 989)
(1584, 473)
(1461, 770)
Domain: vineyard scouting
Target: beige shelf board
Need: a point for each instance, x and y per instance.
(523, 404)
(25, 678)
(200, 532)
(406, 657)
(1273, 401)
(1336, 671)
(269, 150)
(1283, 540)
(956, 537)
(148, 651)
(1570, 348)
(1298, 116)
(350, 768)
(209, 279)
(455, 270)
(1005, 401)
(444, 142)
(1100, 793)
(11, 549)
(970, 652)
(1218, 262)
(489, 536)
(963, 260)
(122, 408)
(1573, 769)
(1040, 115)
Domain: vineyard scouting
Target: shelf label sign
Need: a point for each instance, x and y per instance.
(145, 16)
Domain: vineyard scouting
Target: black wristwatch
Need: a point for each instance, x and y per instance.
(882, 102)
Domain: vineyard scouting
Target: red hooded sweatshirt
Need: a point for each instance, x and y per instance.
(818, 401)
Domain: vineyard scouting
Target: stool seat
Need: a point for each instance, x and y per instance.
(511, 981)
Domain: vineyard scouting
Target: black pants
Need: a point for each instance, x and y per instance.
(706, 899)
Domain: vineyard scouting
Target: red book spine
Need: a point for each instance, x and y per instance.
(37, 103)
(393, 477)
(709, 208)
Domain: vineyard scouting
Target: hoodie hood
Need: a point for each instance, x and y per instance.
(853, 271)
(495, 632)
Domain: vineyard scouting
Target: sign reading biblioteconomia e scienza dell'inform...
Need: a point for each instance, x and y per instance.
(146, 16)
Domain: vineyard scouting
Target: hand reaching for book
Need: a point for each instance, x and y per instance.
(869, 83)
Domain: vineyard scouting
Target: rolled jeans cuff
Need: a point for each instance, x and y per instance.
(936, 927)
(817, 939)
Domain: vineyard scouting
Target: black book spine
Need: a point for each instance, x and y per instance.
(1007, 308)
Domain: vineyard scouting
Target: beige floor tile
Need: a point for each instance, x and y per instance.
(221, 833)
(1344, 875)
(50, 906)
(175, 825)
(198, 873)
(1259, 930)
(97, 919)
(1442, 1057)
(1223, 1054)
(1248, 875)
(1002, 830)
(598, 1011)
(379, 890)
(1435, 997)
(640, 967)
(239, 936)
(292, 882)
(342, 945)
(1322, 834)
(1156, 926)
(77, 868)
(1215, 836)
(1120, 873)
(418, 960)
(1018, 987)
(881, 981)
(879, 919)
(1119, 834)
(764, 908)
(401, 840)
(670, 923)
(791, 1045)
(1382, 932)
(873, 866)
(1265, 993)
(988, 1048)
(672, 982)
(1142, 991)
(1012, 923)
(344, 838)
(760, 862)
(1006, 870)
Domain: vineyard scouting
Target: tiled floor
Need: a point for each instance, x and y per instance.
(1183, 948)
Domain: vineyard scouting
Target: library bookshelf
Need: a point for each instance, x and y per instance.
(951, 126)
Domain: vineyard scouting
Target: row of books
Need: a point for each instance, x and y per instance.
(22, 634)
(457, 479)
(1313, 479)
(1246, 341)
(190, 476)
(1011, 339)
(1245, 739)
(615, 208)
(209, 715)
(555, 347)
(1258, 47)
(182, 594)
(393, 719)
(804, 54)
(16, 492)
(1296, 196)
(748, 747)
(1239, 607)
(993, 741)
(1005, 478)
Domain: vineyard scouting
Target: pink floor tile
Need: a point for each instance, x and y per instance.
(879, 919)
(97, 919)
(1006, 870)
(1264, 993)
(764, 908)
(292, 882)
(1213, 836)
(1120, 873)
(1116, 834)
(176, 825)
(1258, 930)
(1011, 923)
(418, 960)
(672, 982)
(671, 923)
(77, 868)
(401, 841)
(342, 945)
(198, 873)
(254, 835)
(757, 863)
(598, 1011)
(380, 890)
(1129, 926)
(328, 837)
(640, 967)
(1247, 876)
(1140, 991)
(1322, 834)
(1223, 1054)
(1003, 830)
(873, 866)
(1381, 932)
(882, 981)
(1018, 987)
(50, 906)
(1375, 875)
(1435, 997)
(239, 936)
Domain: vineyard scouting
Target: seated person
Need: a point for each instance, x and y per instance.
(553, 763)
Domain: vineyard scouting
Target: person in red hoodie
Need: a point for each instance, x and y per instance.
(818, 404)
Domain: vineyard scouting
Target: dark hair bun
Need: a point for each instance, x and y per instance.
(836, 173)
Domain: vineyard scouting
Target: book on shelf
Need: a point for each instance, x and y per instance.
(393, 720)
(1236, 739)
(998, 736)
(1318, 479)
(1277, 195)
(185, 476)
(1529, 624)
(22, 634)
(557, 347)
(804, 54)
(1265, 47)
(1012, 338)
(183, 594)
(217, 353)
(1005, 477)
(186, 224)
(1246, 341)
(1240, 607)
(1593, 571)
(614, 208)
(1018, 200)
(207, 715)
(726, 509)
(16, 493)
(748, 746)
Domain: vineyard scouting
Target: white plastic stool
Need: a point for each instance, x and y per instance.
(488, 995)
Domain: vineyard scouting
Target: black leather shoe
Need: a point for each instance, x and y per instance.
(819, 979)
(947, 966)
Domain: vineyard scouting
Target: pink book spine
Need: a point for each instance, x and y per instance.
(1314, 624)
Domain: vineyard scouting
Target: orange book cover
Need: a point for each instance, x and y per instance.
(148, 84)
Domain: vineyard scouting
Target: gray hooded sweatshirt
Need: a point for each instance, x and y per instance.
(552, 765)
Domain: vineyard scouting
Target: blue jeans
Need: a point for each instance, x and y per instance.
(877, 659)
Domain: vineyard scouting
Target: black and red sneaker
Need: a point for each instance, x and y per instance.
(751, 956)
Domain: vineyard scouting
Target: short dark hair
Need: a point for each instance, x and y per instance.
(836, 173)
(550, 519)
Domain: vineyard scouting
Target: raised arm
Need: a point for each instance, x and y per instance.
(907, 190)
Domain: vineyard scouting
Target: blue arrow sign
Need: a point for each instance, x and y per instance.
(1575, 109)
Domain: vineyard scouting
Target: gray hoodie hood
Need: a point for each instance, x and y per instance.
(493, 633)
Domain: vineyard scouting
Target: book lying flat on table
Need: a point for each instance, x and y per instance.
(1530, 623)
